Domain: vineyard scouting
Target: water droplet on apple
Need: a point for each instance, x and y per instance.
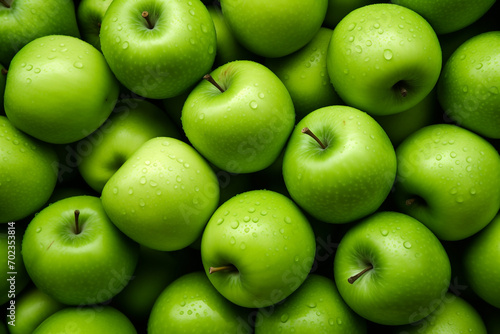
(29, 67)
(358, 49)
(439, 157)
(384, 232)
(494, 90)
(119, 28)
(125, 45)
(37, 70)
(28, 80)
(311, 305)
(339, 321)
(235, 224)
(479, 66)
(118, 39)
(284, 318)
(38, 230)
(232, 241)
(453, 191)
(190, 27)
(387, 54)
(472, 191)
(142, 180)
(369, 43)
(462, 57)
(376, 25)
(255, 219)
(407, 244)
(243, 246)
(453, 155)
(296, 259)
(191, 11)
(130, 191)
(114, 19)
(253, 105)
(142, 203)
(460, 199)
(351, 27)
(288, 220)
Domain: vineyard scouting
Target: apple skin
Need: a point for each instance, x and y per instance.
(411, 270)
(481, 263)
(305, 75)
(468, 89)
(338, 9)
(133, 123)
(163, 195)
(80, 320)
(274, 29)
(78, 268)
(27, 20)
(39, 90)
(449, 179)
(356, 171)
(244, 128)
(89, 16)
(164, 61)
(33, 307)
(379, 67)
(316, 306)
(192, 302)
(28, 173)
(447, 16)
(268, 240)
(454, 315)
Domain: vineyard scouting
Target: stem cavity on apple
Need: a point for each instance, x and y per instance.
(310, 133)
(230, 267)
(353, 278)
(145, 15)
(400, 87)
(210, 79)
(5, 3)
(77, 226)
(4, 71)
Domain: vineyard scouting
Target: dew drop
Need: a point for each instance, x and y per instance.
(351, 27)
(235, 224)
(28, 80)
(369, 43)
(125, 45)
(29, 67)
(232, 241)
(191, 11)
(115, 190)
(384, 232)
(453, 155)
(339, 321)
(472, 191)
(261, 95)
(37, 70)
(311, 305)
(38, 230)
(142, 180)
(387, 54)
(459, 199)
(439, 157)
(494, 90)
(479, 66)
(253, 105)
(407, 244)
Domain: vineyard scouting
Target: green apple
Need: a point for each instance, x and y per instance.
(28, 173)
(26, 20)
(191, 304)
(351, 163)
(163, 195)
(74, 253)
(80, 320)
(133, 123)
(449, 179)
(89, 16)
(33, 307)
(274, 29)
(305, 75)
(242, 125)
(338, 9)
(447, 16)
(315, 307)
(257, 248)
(454, 315)
(383, 59)
(481, 262)
(59, 89)
(468, 89)
(391, 269)
(158, 49)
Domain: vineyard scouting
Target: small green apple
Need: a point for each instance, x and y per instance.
(59, 89)
(242, 125)
(469, 88)
(163, 195)
(338, 9)
(28, 173)
(447, 16)
(391, 269)
(158, 49)
(305, 75)
(383, 59)
(315, 307)
(257, 248)
(277, 28)
(191, 302)
(133, 123)
(449, 179)
(352, 163)
(89, 16)
(92, 319)
(74, 253)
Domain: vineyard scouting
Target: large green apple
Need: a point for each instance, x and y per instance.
(315, 307)
(383, 59)
(133, 123)
(158, 49)
(74, 253)
(32, 308)
(338, 9)
(447, 16)
(26, 20)
(243, 126)
(89, 16)
(257, 248)
(274, 28)
(481, 262)
(28, 173)
(469, 88)
(191, 302)
(347, 172)
(391, 269)
(59, 89)
(305, 75)
(163, 195)
(92, 319)
(454, 315)
(449, 179)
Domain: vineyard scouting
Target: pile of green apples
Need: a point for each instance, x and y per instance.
(237, 166)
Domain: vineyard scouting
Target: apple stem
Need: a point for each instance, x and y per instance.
(4, 71)
(77, 226)
(145, 15)
(353, 279)
(212, 270)
(403, 91)
(209, 78)
(99, 25)
(310, 133)
(3, 2)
